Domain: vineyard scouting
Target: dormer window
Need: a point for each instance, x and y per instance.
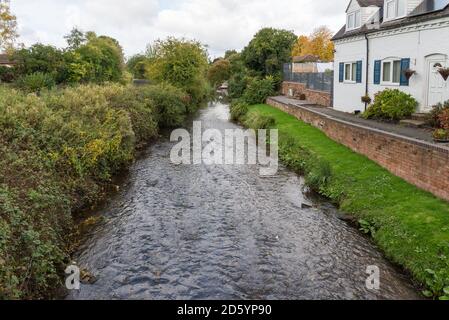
(354, 20)
(395, 9)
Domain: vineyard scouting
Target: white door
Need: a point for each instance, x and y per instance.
(436, 84)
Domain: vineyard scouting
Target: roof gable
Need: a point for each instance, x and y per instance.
(366, 3)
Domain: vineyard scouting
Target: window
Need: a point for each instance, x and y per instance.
(395, 9)
(350, 72)
(354, 20)
(391, 72)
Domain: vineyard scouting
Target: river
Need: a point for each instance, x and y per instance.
(225, 232)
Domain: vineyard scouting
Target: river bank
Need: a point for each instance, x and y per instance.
(225, 232)
(59, 154)
(408, 224)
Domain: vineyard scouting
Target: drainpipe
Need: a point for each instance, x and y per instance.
(367, 69)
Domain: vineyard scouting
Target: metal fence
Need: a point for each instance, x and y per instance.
(323, 81)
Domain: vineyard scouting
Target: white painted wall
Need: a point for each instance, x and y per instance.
(414, 42)
(347, 96)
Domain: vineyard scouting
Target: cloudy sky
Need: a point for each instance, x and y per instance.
(221, 24)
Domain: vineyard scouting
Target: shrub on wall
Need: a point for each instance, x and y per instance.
(391, 104)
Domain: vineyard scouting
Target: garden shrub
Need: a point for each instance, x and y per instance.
(434, 116)
(35, 82)
(391, 104)
(259, 90)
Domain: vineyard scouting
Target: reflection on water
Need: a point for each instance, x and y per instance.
(224, 232)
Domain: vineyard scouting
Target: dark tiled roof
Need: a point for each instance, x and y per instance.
(411, 19)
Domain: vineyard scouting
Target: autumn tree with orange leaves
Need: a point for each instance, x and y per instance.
(318, 44)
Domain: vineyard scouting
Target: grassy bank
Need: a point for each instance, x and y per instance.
(58, 153)
(410, 225)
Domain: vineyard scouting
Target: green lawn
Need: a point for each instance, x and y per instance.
(411, 226)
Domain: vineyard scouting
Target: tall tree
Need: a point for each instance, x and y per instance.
(268, 50)
(300, 46)
(75, 39)
(182, 63)
(8, 27)
(219, 72)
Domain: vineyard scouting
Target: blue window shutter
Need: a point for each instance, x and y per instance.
(342, 71)
(405, 64)
(377, 67)
(359, 72)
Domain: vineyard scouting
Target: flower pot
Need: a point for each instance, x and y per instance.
(441, 136)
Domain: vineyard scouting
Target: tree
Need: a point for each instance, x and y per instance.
(219, 72)
(229, 53)
(40, 58)
(99, 60)
(300, 45)
(8, 28)
(268, 50)
(182, 63)
(137, 65)
(319, 44)
(75, 39)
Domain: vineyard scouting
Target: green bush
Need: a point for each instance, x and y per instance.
(391, 104)
(169, 102)
(7, 75)
(36, 82)
(239, 109)
(256, 121)
(259, 90)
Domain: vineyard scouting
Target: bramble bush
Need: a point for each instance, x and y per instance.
(391, 104)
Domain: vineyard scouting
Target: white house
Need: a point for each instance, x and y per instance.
(382, 39)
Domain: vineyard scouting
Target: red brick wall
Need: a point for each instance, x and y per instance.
(422, 164)
(316, 97)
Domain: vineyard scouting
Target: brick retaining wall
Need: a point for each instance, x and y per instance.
(420, 163)
(316, 97)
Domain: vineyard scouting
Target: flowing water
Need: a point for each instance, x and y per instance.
(224, 232)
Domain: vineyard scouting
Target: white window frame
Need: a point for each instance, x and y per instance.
(352, 75)
(357, 20)
(390, 83)
(395, 10)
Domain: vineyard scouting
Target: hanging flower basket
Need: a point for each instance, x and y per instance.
(366, 99)
(409, 73)
(444, 73)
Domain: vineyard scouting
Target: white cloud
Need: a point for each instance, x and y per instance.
(221, 24)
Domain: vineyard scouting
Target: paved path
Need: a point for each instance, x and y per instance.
(416, 133)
